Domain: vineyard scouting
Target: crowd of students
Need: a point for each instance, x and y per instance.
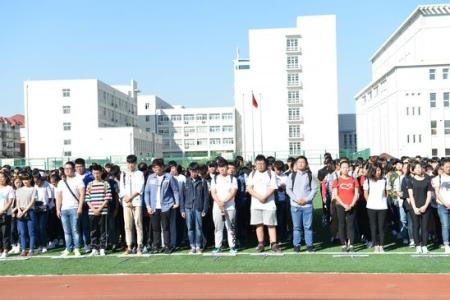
(161, 208)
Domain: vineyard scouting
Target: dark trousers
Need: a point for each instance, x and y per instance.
(5, 233)
(160, 219)
(54, 226)
(420, 227)
(377, 220)
(281, 220)
(98, 227)
(242, 221)
(345, 220)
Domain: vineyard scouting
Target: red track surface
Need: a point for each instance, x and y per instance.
(229, 286)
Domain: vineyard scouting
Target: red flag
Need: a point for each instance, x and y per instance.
(254, 102)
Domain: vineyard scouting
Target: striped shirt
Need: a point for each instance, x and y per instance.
(98, 192)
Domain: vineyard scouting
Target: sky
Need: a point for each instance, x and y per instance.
(179, 50)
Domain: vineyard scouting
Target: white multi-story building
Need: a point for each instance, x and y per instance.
(84, 118)
(405, 108)
(189, 132)
(10, 137)
(292, 73)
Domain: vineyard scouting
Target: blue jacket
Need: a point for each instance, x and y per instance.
(169, 192)
(195, 195)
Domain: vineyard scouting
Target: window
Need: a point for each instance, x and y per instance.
(162, 119)
(67, 126)
(413, 110)
(294, 131)
(163, 131)
(414, 138)
(66, 109)
(292, 62)
(175, 117)
(67, 142)
(407, 138)
(420, 138)
(227, 129)
(66, 92)
(407, 111)
(228, 141)
(432, 74)
(434, 152)
(292, 45)
(67, 153)
(350, 140)
(214, 116)
(447, 126)
(293, 97)
(294, 148)
(202, 142)
(147, 105)
(214, 141)
(447, 152)
(202, 117)
(418, 110)
(446, 99)
(202, 129)
(188, 143)
(188, 131)
(214, 129)
(345, 140)
(432, 99)
(188, 117)
(433, 127)
(147, 118)
(294, 114)
(445, 73)
(227, 116)
(293, 79)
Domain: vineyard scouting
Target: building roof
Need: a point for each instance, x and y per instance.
(16, 120)
(421, 10)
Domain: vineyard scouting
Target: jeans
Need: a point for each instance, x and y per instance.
(41, 226)
(403, 225)
(444, 216)
(69, 219)
(346, 220)
(377, 220)
(302, 219)
(84, 228)
(26, 230)
(5, 234)
(194, 227)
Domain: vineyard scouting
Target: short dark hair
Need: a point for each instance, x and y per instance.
(71, 164)
(302, 157)
(24, 176)
(212, 164)
(80, 161)
(142, 166)
(260, 157)
(108, 165)
(172, 163)
(344, 162)
(36, 173)
(193, 166)
(159, 162)
(96, 168)
(131, 159)
(445, 160)
(279, 165)
(270, 160)
(222, 163)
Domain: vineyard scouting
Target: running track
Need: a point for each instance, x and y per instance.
(229, 286)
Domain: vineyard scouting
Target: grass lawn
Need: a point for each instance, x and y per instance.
(398, 259)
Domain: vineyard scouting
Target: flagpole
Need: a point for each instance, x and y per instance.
(260, 122)
(253, 130)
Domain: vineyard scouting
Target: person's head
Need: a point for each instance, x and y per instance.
(212, 167)
(239, 161)
(417, 168)
(17, 182)
(337, 165)
(131, 162)
(97, 172)
(446, 166)
(80, 166)
(4, 178)
(278, 167)
(158, 166)
(194, 170)
(108, 167)
(270, 160)
(231, 168)
(143, 167)
(69, 168)
(26, 179)
(375, 172)
(344, 167)
(173, 167)
(290, 162)
(222, 167)
(37, 178)
(54, 179)
(301, 163)
(260, 163)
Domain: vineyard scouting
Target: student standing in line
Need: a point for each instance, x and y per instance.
(7, 197)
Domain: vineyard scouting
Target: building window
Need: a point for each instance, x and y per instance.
(418, 111)
(66, 109)
(163, 131)
(292, 45)
(293, 79)
(434, 152)
(227, 116)
(188, 117)
(67, 153)
(407, 111)
(447, 126)
(67, 126)
(446, 99)
(433, 127)
(163, 119)
(227, 129)
(147, 105)
(294, 148)
(293, 97)
(432, 74)
(420, 138)
(202, 117)
(214, 116)
(445, 73)
(188, 143)
(147, 118)
(414, 138)
(214, 129)
(447, 151)
(345, 140)
(202, 129)
(188, 131)
(67, 142)
(202, 142)
(228, 141)
(294, 114)
(292, 62)
(66, 92)
(294, 131)
(432, 99)
(413, 110)
(175, 117)
(214, 141)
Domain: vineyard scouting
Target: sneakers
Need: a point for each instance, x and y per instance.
(193, 250)
(30, 253)
(310, 249)
(4, 254)
(411, 244)
(65, 253)
(351, 249)
(76, 252)
(87, 249)
(167, 250)
(275, 248)
(376, 249)
(418, 250)
(233, 251)
(127, 252)
(94, 252)
(216, 250)
(297, 249)
(139, 251)
(199, 250)
(44, 250)
(424, 250)
(380, 249)
(15, 249)
(102, 252)
(23, 253)
(260, 248)
(447, 249)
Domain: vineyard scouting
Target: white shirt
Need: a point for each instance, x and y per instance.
(51, 204)
(44, 193)
(377, 194)
(6, 193)
(261, 183)
(68, 200)
(281, 181)
(223, 185)
(444, 188)
(158, 193)
(130, 183)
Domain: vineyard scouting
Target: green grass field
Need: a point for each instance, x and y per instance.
(397, 259)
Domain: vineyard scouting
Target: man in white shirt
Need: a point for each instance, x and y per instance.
(131, 188)
(223, 191)
(261, 186)
(69, 207)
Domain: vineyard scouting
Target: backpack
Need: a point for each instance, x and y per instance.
(294, 174)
